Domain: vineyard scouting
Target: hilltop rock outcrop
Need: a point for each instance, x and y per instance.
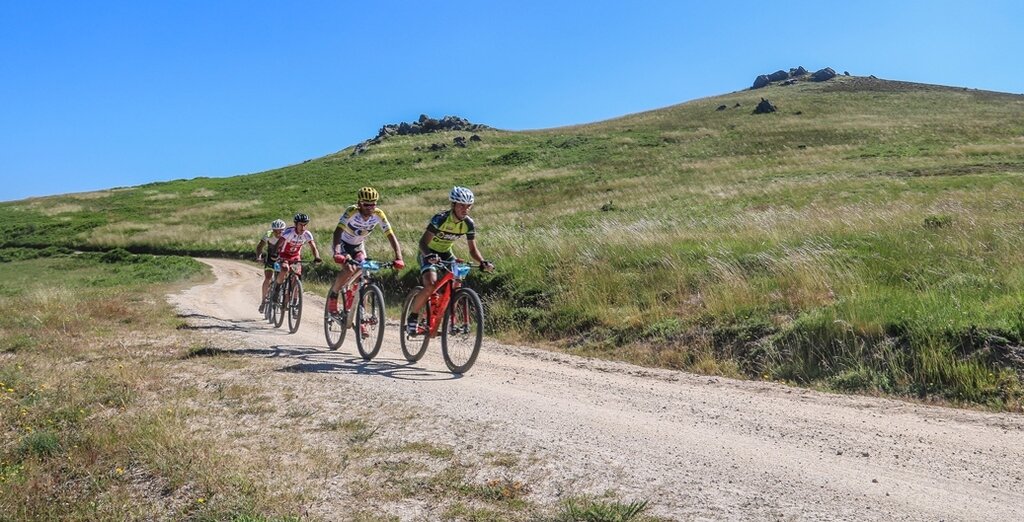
(789, 78)
(823, 74)
(424, 125)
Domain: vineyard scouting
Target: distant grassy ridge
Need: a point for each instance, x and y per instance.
(865, 237)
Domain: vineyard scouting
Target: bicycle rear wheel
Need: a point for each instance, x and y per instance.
(294, 304)
(410, 350)
(462, 331)
(279, 303)
(335, 325)
(369, 327)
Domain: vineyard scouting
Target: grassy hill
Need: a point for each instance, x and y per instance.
(865, 237)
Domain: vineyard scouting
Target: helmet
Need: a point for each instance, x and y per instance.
(461, 195)
(367, 194)
(277, 224)
(301, 218)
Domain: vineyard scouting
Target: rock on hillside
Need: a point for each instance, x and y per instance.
(424, 125)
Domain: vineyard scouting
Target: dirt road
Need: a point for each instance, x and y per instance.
(697, 447)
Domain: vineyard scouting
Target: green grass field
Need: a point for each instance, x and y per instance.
(863, 238)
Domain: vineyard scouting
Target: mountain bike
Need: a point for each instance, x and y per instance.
(368, 324)
(458, 312)
(286, 297)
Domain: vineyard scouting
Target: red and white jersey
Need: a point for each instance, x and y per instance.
(289, 247)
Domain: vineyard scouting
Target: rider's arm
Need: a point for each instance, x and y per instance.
(316, 251)
(336, 240)
(474, 251)
(425, 242)
(395, 246)
(259, 247)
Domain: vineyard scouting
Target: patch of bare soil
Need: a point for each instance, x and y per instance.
(697, 447)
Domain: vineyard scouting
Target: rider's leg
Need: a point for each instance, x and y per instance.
(267, 274)
(285, 268)
(429, 278)
(295, 268)
(341, 281)
(266, 288)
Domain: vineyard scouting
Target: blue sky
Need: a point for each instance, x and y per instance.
(102, 94)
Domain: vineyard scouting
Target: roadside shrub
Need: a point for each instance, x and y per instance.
(41, 444)
(940, 221)
(118, 255)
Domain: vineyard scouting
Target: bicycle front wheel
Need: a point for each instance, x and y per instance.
(294, 304)
(414, 347)
(462, 331)
(279, 300)
(268, 307)
(369, 327)
(334, 326)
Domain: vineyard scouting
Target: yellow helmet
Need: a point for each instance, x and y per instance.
(367, 194)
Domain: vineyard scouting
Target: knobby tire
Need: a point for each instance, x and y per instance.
(294, 304)
(410, 350)
(369, 312)
(462, 330)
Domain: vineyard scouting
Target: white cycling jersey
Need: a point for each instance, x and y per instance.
(355, 227)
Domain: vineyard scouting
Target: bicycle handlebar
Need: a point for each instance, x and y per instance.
(371, 265)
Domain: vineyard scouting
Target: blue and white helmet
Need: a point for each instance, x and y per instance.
(277, 225)
(461, 195)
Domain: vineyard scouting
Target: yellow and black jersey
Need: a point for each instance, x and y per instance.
(446, 230)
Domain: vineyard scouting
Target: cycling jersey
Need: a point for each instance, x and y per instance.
(271, 240)
(446, 230)
(290, 245)
(355, 227)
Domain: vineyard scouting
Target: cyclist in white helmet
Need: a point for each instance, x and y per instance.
(270, 240)
(436, 246)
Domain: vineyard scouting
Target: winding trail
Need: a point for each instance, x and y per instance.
(695, 446)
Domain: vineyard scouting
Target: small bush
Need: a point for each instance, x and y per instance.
(41, 444)
(593, 510)
(941, 221)
(513, 158)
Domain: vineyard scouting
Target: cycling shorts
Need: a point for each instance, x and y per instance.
(428, 267)
(354, 252)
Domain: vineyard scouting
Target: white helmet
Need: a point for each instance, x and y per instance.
(461, 195)
(277, 225)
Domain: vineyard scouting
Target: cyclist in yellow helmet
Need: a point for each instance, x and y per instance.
(354, 226)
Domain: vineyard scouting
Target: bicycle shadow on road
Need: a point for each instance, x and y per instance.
(315, 360)
(225, 325)
(318, 361)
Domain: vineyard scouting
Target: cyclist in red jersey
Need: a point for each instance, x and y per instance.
(289, 248)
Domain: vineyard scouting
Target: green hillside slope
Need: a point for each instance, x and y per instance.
(866, 236)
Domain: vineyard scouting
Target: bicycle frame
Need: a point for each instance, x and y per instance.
(366, 269)
(443, 290)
